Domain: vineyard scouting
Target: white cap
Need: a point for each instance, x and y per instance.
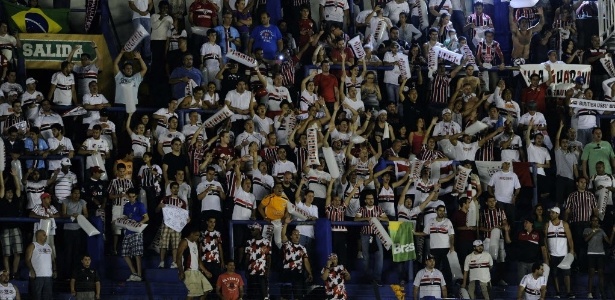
(31, 80)
(66, 162)
(555, 209)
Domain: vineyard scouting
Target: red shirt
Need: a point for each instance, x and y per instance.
(305, 24)
(459, 219)
(537, 94)
(203, 14)
(326, 86)
(229, 284)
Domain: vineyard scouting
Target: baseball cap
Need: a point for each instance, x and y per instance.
(45, 195)
(555, 209)
(382, 111)
(477, 243)
(96, 169)
(531, 105)
(11, 93)
(429, 256)
(66, 162)
(31, 80)
(446, 111)
(579, 80)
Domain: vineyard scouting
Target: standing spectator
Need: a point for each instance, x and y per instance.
(140, 16)
(94, 191)
(84, 282)
(368, 236)
(46, 211)
(393, 58)
(211, 194)
(46, 118)
(170, 238)
(126, 81)
(8, 42)
(174, 161)
(537, 92)
(162, 116)
(191, 269)
(597, 150)
(132, 245)
(42, 266)
(212, 255)
(537, 153)
(95, 145)
(429, 281)
(118, 188)
(65, 180)
(87, 70)
(186, 77)
(559, 244)
(594, 236)
(241, 102)
(327, 85)
(530, 248)
(533, 285)
(505, 187)
(266, 37)
(273, 208)
(229, 35)
(578, 210)
(204, 14)
(441, 238)
(477, 264)
(335, 276)
(494, 217)
(37, 146)
(11, 205)
(566, 163)
(162, 25)
(297, 268)
(94, 102)
(335, 12)
(73, 235)
(62, 90)
(212, 58)
(230, 284)
(244, 209)
(258, 262)
(465, 235)
(592, 56)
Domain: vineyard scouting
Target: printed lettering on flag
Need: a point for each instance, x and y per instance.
(357, 47)
(562, 76)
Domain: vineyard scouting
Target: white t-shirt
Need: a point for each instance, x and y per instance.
(277, 94)
(127, 88)
(478, 266)
(90, 99)
(392, 76)
(465, 151)
(445, 7)
(504, 184)
(446, 128)
(334, 9)
(244, 204)
(281, 167)
(211, 54)
(53, 144)
(538, 155)
(239, 101)
(212, 199)
(307, 230)
(99, 145)
(512, 152)
(439, 233)
(532, 286)
(262, 125)
(63, 94)
(314, 177)
(142, 6)
(392, 10)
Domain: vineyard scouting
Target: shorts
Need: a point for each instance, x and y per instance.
(595, 261)
(196, 283)
(132, 245)
(556, 260)
(11, 240)
(169, 235)
(116, 213)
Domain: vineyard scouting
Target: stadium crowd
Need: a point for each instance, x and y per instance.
(291, 131)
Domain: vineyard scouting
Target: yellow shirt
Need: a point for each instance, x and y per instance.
(275, 206)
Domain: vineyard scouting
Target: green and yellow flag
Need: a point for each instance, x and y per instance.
(36, 20)
(402, 234)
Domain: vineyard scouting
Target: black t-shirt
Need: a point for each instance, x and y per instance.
(174, 163)
(10, 209)
(93, 190)
(85, 279)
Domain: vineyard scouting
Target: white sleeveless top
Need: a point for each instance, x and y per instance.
(194, 255)
(7, 292)
(556, 239)
(41, 260)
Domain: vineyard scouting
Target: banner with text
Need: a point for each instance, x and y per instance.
(48, 51)
(403, 241)
(562, 75)
(592, 104)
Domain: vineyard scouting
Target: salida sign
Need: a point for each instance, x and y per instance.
(57, 51)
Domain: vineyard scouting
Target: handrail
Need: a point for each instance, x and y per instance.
(32, 220)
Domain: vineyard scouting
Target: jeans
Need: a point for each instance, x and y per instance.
(392, 92)
(377, 270)
(584, 135)
(146, 51)
(41, 288)
(458, 22)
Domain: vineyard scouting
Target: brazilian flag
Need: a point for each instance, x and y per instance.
(36, 20)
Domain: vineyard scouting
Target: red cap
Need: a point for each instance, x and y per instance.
(45, 195)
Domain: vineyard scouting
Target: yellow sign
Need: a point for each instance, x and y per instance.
(48, 51)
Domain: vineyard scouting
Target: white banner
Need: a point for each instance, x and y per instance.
(486, 169)
(174, 217)
(404, 65)
(607, 88)
(312, 145)
(607, 63)
(136, 38)
(592, 104)
(475, 128)
(522, 3)
(449, 55)
(461, 180)
(357, 47)
(218, 117)
(241, 58)
(563, 76)
(603, 196)
(382, 233)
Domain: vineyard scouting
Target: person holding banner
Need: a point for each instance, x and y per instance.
(170, 238)
(369, 240)
(132, 245)
(185, 75)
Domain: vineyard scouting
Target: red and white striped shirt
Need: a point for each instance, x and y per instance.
(581, 205)
(336, 214)
(369, 212)
(491, 218)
